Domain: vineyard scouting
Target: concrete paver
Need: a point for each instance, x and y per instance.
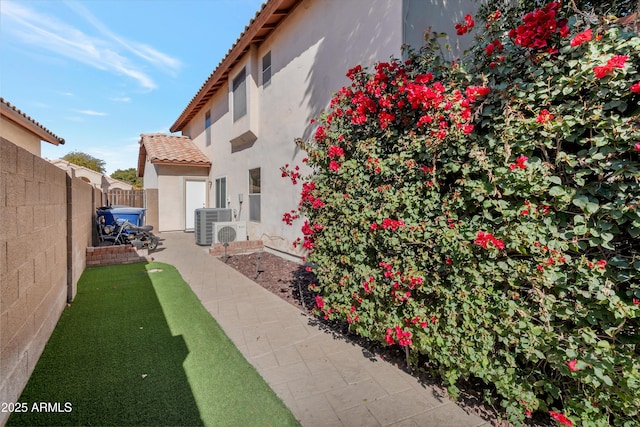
(323, 379)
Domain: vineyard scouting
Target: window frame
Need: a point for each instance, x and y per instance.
(255, 191)
(239, 91)
(266, 71)
(220, 203)
(207, 127)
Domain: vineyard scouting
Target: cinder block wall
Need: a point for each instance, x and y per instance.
(46, 223)
(81, 208)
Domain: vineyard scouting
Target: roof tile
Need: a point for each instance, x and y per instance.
(13, 113)
(170, 149)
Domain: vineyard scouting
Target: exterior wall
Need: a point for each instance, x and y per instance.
(151, 203)
(171, 194)
(20, 136)
(440, 16)
(33, 262)
(150, 175)
(45, 225)
(82, 201)
(310, 54)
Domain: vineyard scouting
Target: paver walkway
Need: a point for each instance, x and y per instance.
(323, 379)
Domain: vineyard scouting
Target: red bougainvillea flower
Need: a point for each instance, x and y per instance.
(353, 71)
(483, 239)
(539, 26)
(495, 45)
(392, 224)
(320, 134)
(319, 302)
(637, 146)
(601, 71)
(561, 418)
(582, 37)
(617, 61)
(572, 365)
(519, 164)
(403, 337)
(635, 88)
(334, 166)
(544, 116)
(636, 301)
(462, 29)
(335, 151)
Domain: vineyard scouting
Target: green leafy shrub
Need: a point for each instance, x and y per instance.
(483, 214)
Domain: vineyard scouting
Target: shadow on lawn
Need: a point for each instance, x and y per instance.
(111, 360)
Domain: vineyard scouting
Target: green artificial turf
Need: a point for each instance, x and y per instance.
(136, 347)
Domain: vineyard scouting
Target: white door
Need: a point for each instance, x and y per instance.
(195, 198)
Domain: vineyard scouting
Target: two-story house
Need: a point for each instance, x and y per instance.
(240, 126)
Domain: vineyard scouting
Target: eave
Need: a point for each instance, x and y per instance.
(267, 19)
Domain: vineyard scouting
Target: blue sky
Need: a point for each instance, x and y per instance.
(98, 73)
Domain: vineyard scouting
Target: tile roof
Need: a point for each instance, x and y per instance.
(266, 20)
(11, 112)
(166, 149)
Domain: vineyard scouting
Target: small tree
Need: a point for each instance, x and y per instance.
(86, 160)
(128, 175)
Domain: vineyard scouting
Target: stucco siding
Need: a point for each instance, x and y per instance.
(20, 136)
(310, 51)
(310, 54)
(150, 175)
(439, 16)
(171, 194)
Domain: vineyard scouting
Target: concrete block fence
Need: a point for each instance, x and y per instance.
(46, 224)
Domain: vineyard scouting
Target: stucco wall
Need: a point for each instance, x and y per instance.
(45, 221)
(20, 136)
(310, 54)
(171, 194)
(440, 16)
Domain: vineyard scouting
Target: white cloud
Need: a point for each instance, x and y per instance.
(91, 113)
(105, 51)
(141, 50)
(121, 99)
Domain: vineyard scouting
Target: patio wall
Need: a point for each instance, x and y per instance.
(46, 224)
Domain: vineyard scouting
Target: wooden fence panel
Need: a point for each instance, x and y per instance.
(133, 198)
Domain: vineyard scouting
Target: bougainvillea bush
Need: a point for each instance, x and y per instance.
(484, 214)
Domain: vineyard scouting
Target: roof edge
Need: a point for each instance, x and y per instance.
(12, 113)
(237, 51)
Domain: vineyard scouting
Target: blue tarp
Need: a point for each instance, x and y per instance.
(134, 215)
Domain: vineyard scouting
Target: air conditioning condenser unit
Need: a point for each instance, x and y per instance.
(204, 220)
(227, 232)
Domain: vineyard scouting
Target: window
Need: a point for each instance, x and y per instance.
(266, 69)
(240, 95)
(221, 192)
(207, 126)
(254, 194)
